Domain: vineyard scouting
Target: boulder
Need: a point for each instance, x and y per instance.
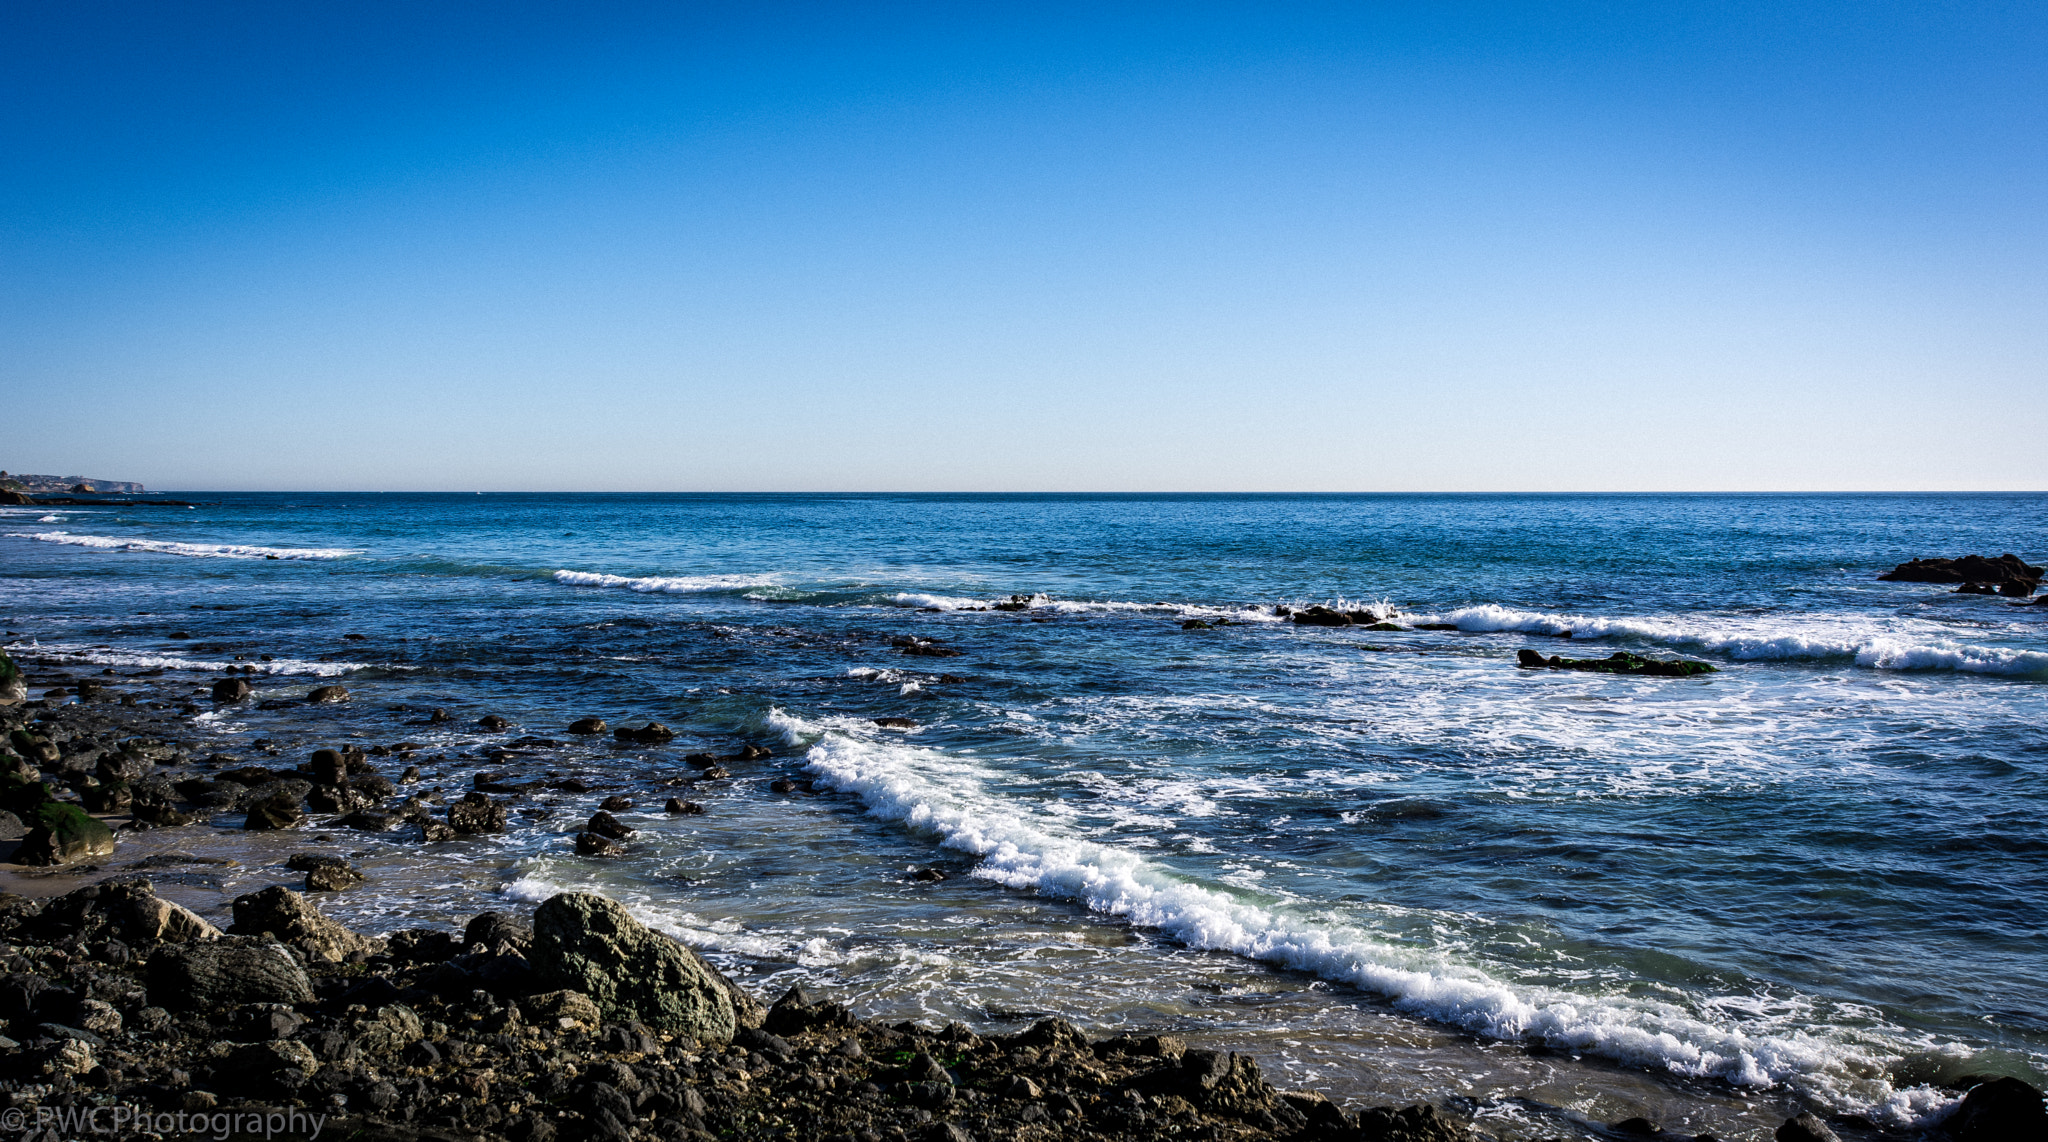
(476, 813)
(285, 915)
(202, 976)
(323, 694)
(588, 726)
(277, 811)
(62, 834)
(329, 767)
(1321, 616)
(587, 943)
(2004, 1108)
(232, 690)
(1620, 662)
(127, 909)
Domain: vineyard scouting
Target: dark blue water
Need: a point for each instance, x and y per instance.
(1821, 869)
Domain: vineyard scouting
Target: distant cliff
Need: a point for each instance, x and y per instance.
(57, 485)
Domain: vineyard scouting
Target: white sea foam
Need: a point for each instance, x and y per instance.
(946, 796)
(1045, 603)
(666, 584)
(1765, 641)
(74, 655)
(201, 550)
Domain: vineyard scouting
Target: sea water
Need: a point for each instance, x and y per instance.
(1394, 862)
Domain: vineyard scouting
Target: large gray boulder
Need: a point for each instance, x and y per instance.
(285, 915)
(590, 944)
(203, 976)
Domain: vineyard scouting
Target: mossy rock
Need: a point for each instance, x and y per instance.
(63, 834)
(13, 687)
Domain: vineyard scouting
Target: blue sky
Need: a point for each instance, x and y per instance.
(1263, 247)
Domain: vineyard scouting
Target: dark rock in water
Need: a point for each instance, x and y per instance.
(699, 760)
(370, 821)
(754, 752)
(232, 689)
(326, 873)
(929, 875)
(2007, 575)
(476, 813)
(895, 723)
(1807, 1127)
(199, 976)
(616, 804)
(439, 716)
(1380, 626)
(590, 944)
(606, 825)
(653, 733)
(321, 694)
(329, 767)
(285, 915)
(679, 808)
(493, 723)
(2004, 1108)
(1195, 624)
(930, 650)
(62, 834)
(1321, 616)
(588, 726)
(1620, 662)
(153, 806)
(593, 845)
(782, 785)
(278, 811)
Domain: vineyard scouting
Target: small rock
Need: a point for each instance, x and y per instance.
(616, 804)
(677, 807)
(928, 875)
(653, 733)
(895, 723)
(322, 694)
(278, 811)
(476, 813)
(493, 723)
(439, 716)
(232, 690)
(606, 825)
(588, 726)
(593, 845)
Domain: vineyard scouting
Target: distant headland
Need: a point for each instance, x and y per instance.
(59, 485)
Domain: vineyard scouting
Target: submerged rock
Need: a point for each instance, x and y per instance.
(1620, 662)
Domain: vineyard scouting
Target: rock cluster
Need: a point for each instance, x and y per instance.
(1620, 662)
(1979, 575)
(585, 1024)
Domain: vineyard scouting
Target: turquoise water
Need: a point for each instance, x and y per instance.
(1818, 872)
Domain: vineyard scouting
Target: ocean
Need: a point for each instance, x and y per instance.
(1390, 862)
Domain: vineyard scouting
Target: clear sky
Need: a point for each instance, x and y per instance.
(1358, 247)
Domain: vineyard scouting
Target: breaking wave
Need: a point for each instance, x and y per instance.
(201, 550)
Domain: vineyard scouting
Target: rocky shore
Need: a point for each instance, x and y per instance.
(573, 1021)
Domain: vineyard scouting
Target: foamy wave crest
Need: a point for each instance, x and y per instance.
(668, 584)
(201, 550)
(1242, 614)
(946, 797)
(1768, 643)
(64, 655)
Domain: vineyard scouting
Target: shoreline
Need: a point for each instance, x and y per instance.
(160, 711)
